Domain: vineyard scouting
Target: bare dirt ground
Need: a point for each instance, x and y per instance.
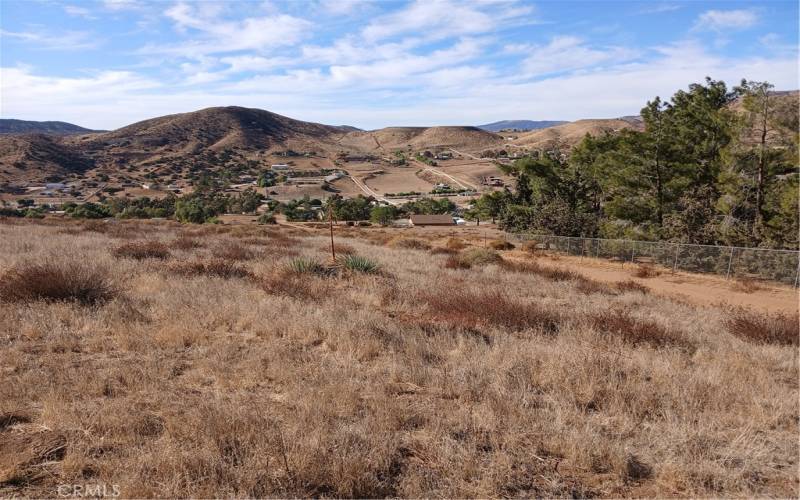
(702, 289)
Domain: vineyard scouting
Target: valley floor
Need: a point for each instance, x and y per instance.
(211, 361)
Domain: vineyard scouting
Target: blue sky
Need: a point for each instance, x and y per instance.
(108, 63)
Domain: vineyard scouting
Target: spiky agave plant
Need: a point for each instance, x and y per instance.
(360, 264)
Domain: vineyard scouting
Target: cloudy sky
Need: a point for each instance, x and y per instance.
(105, 64)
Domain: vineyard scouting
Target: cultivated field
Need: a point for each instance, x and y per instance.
(210, 361)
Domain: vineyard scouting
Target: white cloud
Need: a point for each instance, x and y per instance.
(567, 53)
(69, 40)
(121, 4)
(437, 19)
(220, 36)
(719, 20)
(77, 11)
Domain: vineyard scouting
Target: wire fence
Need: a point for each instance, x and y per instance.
(782, 266)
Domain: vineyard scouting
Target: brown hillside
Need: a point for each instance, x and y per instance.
(391, 138)
(216, 129)
(35, 157)
(569, 134)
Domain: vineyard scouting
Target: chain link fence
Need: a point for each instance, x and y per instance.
(781, 266)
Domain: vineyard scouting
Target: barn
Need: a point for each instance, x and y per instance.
(431, 220)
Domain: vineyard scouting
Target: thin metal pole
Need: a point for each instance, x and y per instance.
(730, 261)
(330, 221)
(797, 274)
(677, 251)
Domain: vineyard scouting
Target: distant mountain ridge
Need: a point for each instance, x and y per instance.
(13, 126)
(521, 125)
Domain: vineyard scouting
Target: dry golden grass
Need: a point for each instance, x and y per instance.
(140, 250)
(206, 377)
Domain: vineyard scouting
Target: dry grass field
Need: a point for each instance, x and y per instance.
(217, 361)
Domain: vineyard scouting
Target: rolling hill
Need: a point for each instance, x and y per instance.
(394, 138)
(569, 134)
(12, 126)
(520, 125)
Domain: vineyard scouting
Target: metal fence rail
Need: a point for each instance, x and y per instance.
(732, 262)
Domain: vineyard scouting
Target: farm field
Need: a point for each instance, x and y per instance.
(170, 360)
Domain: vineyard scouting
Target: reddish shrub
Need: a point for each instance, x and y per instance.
(141, 250)
(470, 309)
(631, 286)
(231, 250)
(218, 268)
(454, 262)
(763, 328)
(501, 245)
(636, 331)
(645, 271)
(58, 281)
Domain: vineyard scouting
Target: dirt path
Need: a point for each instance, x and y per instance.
(700, 289)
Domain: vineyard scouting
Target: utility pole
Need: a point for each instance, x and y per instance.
(330, 223)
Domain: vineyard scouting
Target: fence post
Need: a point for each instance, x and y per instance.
(677, 251)
(797, 274)
(730, 261)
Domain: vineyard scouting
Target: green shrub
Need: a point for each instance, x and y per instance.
(307, 265)
(360, 264)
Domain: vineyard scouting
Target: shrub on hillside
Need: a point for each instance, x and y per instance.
(217, 268)
(480, 256)
(141, 250)
(410, 243)
(231, 250)
(455, 244)
(71, 281)
(645, 271)
(631, 286)
(764, 328)
(470, 309)
(501, 245)
(636, 331)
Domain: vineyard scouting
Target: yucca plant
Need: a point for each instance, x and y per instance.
(360, 264)
(306, 265)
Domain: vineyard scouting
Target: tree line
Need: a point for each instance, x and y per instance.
(713, 165)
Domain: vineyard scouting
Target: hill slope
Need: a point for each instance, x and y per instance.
(393, 138)
(569, 134)
(12, 126)
(522, 125)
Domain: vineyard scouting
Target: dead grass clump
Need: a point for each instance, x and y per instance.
(530, 247)
(141, 250)
(340, 248)
(231, 250)
(746, 285)
(185, 243)
(764, 328)
(443, 251)
(69, 281)
(631, 286)
(588, 286)
(217, 268)
(551, 273)
(289, 283)
(501, 245)
(470, 309)
(480, 256)
(455, 262)
(409, 243)
(635, 331)
(645, 271)
(455, 244)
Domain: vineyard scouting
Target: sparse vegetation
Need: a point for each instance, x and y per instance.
(140, 250)
(286, 376)
(57, 281)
